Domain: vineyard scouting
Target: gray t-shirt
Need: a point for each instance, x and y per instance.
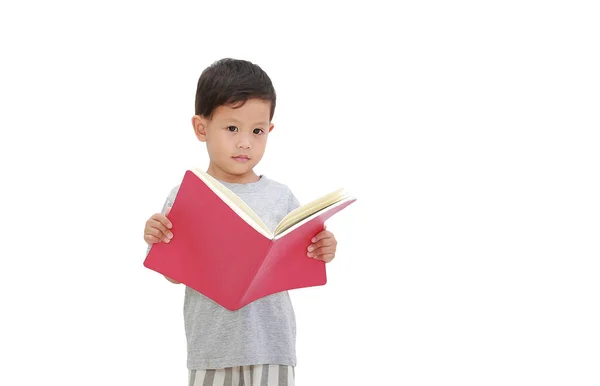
(262, 332)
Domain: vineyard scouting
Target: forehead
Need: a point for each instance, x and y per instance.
(252, 111)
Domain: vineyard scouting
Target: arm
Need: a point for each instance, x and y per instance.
(172, 280)
(159, 230)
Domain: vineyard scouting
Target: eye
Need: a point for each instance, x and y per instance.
(232, 128)
(258, 131)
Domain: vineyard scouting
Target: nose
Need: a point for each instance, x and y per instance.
(244, 142)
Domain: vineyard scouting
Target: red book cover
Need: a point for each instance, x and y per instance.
(219, 254)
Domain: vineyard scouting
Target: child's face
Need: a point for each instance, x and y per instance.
(236, 139)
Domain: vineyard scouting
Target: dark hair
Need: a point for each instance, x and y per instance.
(232, 82)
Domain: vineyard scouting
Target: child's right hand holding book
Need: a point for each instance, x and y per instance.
(158, 228)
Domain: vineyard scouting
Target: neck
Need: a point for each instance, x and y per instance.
(218, 173)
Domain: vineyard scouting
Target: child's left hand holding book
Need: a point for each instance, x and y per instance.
(323, 246)
(158, 229)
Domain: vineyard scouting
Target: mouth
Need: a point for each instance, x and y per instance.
(241, 158)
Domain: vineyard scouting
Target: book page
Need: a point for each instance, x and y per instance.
(316, 214)
(309, 209)
(234, 202)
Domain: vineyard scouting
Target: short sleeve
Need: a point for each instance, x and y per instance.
(293, 202)
(170, 199)
(168, 203)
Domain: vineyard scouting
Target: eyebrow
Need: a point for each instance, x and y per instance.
(231, 119)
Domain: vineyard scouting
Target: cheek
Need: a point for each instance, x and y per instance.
(216, 146)
(261, 141)
(220, 139)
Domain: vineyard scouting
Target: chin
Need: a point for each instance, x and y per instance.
(240, 170)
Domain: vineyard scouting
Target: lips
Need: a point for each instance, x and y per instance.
(241, 158)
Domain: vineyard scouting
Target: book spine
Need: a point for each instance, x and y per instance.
(256, 275)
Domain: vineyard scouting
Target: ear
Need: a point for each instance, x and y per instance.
(271, 127)
(200, 123)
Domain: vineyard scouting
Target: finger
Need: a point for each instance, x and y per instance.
(326, 257)
(326, 242)
(320, 251)
(165, 221)
(155, 232)
(315, 249)
(163, 228)
(168, 210)
(162, 219)
(161, 234)
(159, 227)
(323, 250)
(321, 235)
(150, 239)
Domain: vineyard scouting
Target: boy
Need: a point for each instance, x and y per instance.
(255, 345)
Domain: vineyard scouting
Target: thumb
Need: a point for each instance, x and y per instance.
(168, 210)
(324, 226)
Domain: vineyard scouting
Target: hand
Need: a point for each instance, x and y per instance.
(158, 228)
(323, 246)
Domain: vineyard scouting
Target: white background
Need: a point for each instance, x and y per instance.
(467, 130)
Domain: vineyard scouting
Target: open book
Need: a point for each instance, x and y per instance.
(222, 249)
